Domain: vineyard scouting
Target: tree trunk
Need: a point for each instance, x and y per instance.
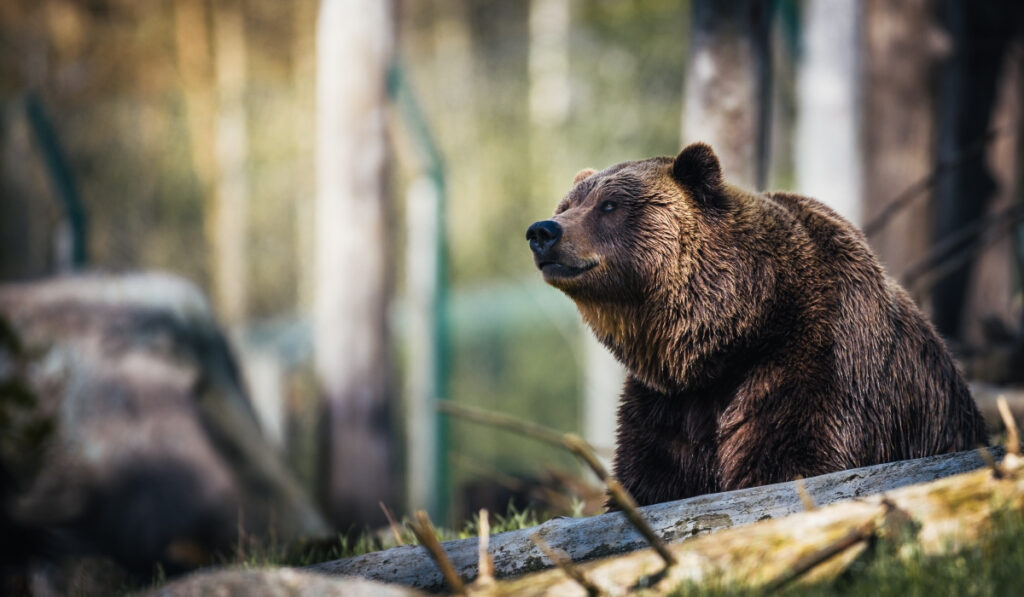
(970, 89)
(901, 46)
(304, 15)
(354, 257)
(192, 46)
(990, 300)
(828, 146)
(231, 187)
(727, 91)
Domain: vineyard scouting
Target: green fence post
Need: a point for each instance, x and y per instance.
(430, 154)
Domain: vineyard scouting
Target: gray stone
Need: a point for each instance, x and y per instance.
(277, 582)
(156, 455)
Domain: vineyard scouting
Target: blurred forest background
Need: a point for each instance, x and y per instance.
(350, 182)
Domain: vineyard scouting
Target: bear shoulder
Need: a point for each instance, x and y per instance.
(832, 235)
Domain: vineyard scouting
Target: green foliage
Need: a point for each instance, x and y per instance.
(513, 520)
(304, 552)
(528, 373)
(115, 80)
(993, 567)
(507, 167)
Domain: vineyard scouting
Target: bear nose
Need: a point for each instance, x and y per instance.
(542, 235)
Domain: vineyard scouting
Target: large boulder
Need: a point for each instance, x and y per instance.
(148, 448)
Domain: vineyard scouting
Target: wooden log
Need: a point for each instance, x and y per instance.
(608, 534)
(943, 515)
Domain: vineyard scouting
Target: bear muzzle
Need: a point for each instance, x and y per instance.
(549, 256)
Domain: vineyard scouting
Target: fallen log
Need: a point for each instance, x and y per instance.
(608, 534)
(940, 517)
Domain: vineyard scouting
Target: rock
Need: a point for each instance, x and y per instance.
(277, 582)
(155, 453)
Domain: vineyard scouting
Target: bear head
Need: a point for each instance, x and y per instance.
(640, 240)
(618, 234)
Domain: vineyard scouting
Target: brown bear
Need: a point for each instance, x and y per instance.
(763, 339)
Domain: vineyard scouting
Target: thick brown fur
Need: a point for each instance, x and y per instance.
(763, 339)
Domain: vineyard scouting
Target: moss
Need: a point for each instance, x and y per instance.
(254, 553)
(992, 567)
(708, 522)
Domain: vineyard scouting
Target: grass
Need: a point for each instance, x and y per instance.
(251, 553)
(994, 567)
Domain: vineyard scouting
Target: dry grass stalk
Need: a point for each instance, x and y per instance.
(629, 508)
(395, 529)
(584, 451)
(424, 531)
(485, 565)
(805, 496)
(997, 472)
(502, 421)
(826, 553)
(1012, 432)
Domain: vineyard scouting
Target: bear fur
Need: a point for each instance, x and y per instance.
(763, 339)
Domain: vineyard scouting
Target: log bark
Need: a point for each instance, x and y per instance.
(608, 534)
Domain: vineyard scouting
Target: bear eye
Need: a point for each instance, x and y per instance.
(608, 206)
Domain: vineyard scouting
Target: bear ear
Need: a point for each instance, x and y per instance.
(582, 175)
(697, 169)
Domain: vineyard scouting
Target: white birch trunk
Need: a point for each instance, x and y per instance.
(725, 95)
(828, 154)
(355, 42)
